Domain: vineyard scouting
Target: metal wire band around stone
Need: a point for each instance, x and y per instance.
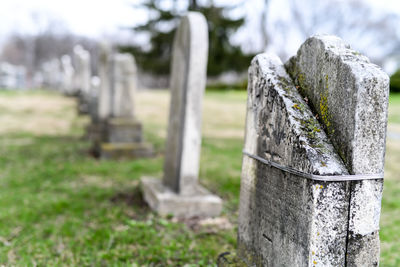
(315, 177)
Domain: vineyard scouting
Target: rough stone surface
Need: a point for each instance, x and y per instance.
(179, 193)
(286, 220)
(188, 81)
(350, 95)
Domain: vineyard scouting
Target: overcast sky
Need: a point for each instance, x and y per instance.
(95, 18)
(86, 17)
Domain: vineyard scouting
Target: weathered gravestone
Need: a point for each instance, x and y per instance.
(313, 158)
(123, 137)
(67, 75)
(179, 193)
(105, 69)
(52, 74)
(94, 98)
(82, 78)
(96, 129)
(12, 77)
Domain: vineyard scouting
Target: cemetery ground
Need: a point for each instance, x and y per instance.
(60, 206)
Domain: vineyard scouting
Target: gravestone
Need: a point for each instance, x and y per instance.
(21, 77)
(123, 137)
(179, 193)
(350, 95)
(94, 98)
(67, 74)
(12, 76)
(95, 131)
(105, 94)
(82, 78)
(55, 74)
(313, 158)
(52, 74)
(124, 86)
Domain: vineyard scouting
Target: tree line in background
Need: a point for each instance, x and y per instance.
(32, 51)
(276, 29)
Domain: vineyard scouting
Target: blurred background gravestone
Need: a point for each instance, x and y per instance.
(12, 77)
(123, 136)
(95, 131)
(82, 78)
(67, 74)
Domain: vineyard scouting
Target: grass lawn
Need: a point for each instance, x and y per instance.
(60, 207)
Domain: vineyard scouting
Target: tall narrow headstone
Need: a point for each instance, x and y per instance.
(94, 98)
(82, 77)
(52, 73)
(179, 193)
(105, 94)
(67, 74)
(308, 127)
(96, 130)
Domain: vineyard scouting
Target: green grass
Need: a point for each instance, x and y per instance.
(394, 108)
(61, 207)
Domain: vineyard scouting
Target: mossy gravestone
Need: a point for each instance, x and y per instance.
(313, 158)
(179, 193)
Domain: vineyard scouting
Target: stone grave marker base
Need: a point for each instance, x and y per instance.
(164, 201)
(119, 138)
(126, 150)
(124, 130)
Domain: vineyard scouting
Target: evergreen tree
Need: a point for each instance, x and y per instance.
(395, 82)
(223, 56)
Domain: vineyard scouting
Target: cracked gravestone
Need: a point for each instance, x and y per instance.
(323, 113)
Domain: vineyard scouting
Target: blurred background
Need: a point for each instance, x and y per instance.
(34, 32)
